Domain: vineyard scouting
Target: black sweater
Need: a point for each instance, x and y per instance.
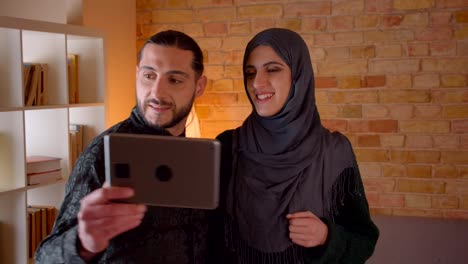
(166, 235)
(351, 233)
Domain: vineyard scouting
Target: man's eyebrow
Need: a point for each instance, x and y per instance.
(146, 67)
(186, 75)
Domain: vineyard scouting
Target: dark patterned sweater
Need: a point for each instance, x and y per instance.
(166, 235)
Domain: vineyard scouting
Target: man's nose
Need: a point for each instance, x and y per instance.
(158, 88)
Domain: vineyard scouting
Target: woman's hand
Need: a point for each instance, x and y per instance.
(306, 229)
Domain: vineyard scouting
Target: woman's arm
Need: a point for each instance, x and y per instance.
(351, 233)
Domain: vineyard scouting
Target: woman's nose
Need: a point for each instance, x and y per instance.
(259, 80)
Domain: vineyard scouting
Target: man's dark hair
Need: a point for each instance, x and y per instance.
(172, 38)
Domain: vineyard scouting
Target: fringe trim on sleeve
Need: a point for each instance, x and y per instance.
(345, 184)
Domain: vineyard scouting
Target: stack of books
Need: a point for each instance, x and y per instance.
(43, 169)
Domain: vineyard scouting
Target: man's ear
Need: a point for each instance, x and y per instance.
(136, 73)
(201, 85)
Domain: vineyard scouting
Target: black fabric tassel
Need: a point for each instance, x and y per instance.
(345, 184)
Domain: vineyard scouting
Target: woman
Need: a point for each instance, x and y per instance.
(293, 189)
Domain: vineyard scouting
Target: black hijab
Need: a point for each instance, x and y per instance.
(283, 164)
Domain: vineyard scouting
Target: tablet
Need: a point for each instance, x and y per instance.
(164, 170)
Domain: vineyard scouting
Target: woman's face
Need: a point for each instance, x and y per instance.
(268, 80)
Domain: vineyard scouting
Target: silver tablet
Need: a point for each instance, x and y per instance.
(165, 170)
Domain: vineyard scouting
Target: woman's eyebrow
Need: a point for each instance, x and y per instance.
(273, 63)
(266, 64)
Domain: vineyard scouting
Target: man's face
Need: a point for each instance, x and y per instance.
(166, 87)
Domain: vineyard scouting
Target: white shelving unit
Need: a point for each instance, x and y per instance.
(42, 130)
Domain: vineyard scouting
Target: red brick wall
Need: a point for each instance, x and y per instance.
(392, 75)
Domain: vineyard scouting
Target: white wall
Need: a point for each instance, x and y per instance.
(118, 19)
(44, 10)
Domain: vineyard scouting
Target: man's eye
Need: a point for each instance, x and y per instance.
(175, 81)
(147, 76)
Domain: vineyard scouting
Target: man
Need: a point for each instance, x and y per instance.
(90, 227)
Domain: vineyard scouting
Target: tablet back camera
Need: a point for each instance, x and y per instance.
(122, 170)
(163, 173)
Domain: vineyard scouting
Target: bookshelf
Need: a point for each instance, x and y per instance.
(42, 129)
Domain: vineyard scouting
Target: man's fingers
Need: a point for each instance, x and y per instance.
(105, 195)
(127, 225)
(95, 234)
(110, 210)
(100, 219)
(110, 226)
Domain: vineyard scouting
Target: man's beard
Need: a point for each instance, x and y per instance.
(177, 114)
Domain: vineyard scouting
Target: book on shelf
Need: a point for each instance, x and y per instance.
(35, 229)
(38, 164)
(28, 234)
(31, 84)
(51, 214)
(72, 70)
(40, 219)
(26, 76)
(35, 81)
(42, 87)
(32, 244)
(76, 142)
(44, 177)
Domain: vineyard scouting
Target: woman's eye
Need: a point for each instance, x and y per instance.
(273, 70)
(249, 74)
